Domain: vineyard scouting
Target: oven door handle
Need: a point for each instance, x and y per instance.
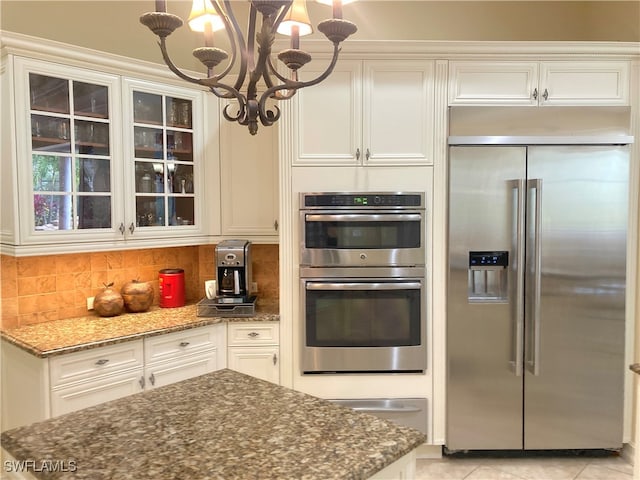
(373, 217)
(363, 286)
(387, 409)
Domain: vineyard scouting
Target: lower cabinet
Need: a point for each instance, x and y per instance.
(253, 348)
(35, 389)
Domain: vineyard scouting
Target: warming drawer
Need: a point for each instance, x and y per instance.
(408, 412)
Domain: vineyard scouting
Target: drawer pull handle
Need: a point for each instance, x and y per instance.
(102, 361)
(253, 334)
(184, 344)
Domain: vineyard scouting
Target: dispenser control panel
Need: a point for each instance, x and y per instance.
(487, 259)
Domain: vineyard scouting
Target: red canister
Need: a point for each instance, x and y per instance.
(171, 286)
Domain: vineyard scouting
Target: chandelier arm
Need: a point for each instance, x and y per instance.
(232, 40)
(272, 71)
(297, 85)
(165, 55)
(235, 35)
(251, 38)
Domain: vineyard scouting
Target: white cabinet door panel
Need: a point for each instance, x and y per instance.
(398, 112)
(577, 83)
(486, 83)
(327, 127)
(259, 362)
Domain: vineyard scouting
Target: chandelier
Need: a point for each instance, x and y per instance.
(253, 55)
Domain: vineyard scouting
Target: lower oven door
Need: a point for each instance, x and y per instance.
(356, 325)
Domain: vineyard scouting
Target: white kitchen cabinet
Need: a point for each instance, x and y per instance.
(35, 389)
(249, 181)
(371, 112)
(177, 356)
(544, 83)
(98, 161)
(253, 349)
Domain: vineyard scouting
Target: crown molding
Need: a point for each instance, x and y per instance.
(20, 44)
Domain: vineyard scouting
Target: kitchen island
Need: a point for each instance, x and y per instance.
(222, 425)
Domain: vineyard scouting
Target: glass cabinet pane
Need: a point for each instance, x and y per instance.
(163, 160)
(49, 94)
(70, 150)
(147, 108)
(90, 100)
(178, 112)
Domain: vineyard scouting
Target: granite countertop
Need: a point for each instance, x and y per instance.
(222, 425)
(75, 334)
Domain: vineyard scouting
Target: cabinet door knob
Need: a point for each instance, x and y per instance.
(184, 344)
(275, 358)
(102, 361)
(253, 334)
(358, 154)
(152, 379)
(368, 155)
(275, 225)
(545, 94)
(535, 93)
(141, 381)
(121, 228)
(132, 227)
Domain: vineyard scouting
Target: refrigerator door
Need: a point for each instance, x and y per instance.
(575, 303)
(484, 325)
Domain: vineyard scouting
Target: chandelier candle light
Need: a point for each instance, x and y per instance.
(288, 17)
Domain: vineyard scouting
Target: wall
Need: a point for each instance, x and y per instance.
(44, 288)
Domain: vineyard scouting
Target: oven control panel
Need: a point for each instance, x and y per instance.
(362, 200)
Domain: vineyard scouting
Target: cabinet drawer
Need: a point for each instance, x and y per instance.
(96, 362)
(177, 344)
(253, 333)
(86, 394)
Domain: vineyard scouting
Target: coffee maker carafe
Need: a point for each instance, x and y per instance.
(233, 271)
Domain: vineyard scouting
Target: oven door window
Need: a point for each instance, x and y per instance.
(362, 231)
(385, 314)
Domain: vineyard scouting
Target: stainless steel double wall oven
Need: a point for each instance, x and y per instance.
(362, 274)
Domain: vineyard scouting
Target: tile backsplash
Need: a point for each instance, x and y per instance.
(44, 288)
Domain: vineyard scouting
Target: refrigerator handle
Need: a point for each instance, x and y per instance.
(533, 361)
(517, 281)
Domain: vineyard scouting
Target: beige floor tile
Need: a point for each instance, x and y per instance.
(531, 468)
(445, 469)
(491, 473)
(597, 472)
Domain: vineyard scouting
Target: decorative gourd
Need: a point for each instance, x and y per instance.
(137, 296)
(108, 303)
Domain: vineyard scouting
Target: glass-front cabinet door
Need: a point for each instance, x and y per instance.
(162, 157)
(68, 160)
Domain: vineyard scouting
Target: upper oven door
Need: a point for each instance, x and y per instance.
(352, 238)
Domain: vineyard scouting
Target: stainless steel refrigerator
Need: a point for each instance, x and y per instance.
(536, 295)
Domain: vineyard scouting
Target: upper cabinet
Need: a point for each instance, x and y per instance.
(65, 168)
(369, 112)
(164, 159)
(539, 83)
(98, 159)
(249, 182)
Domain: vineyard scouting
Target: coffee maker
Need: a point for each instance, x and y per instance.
(233, 271)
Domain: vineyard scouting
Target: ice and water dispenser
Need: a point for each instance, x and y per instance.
(488, 281)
